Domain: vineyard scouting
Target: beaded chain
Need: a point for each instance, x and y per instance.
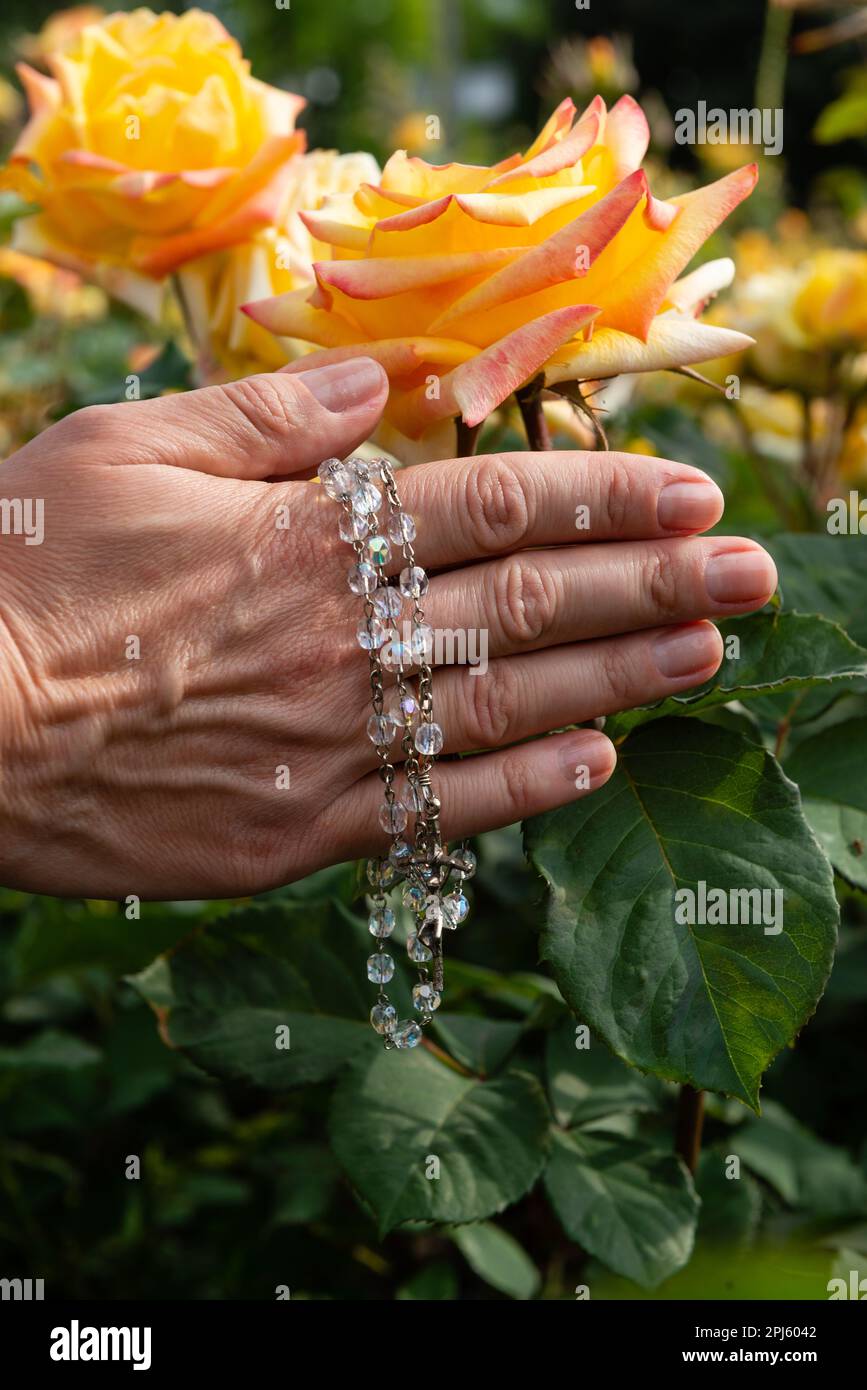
(425, 867)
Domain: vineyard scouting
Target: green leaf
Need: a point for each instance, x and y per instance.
(305, 1182)
(824, 574)
(730, 1206)
(58, 936)
(708, 1004)
(776, 651)
(630, 1205)
(830, 768)
(843, 119)
(586, 1084)
(496, 1257)
(395, 1113)
(436, 1282)
(481, 1044)
(227, 989)
(806, 1172)
(50, 1050)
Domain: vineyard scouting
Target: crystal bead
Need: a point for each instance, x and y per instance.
(400, 854)
(387, 601)
(455, 907)
(467, 862)
(337, 478)
(429, 739)
(413, 582)
(414, 897)
(383, 1017)
(421, 642)
(405, 712)
(366, 498)
(407, 1033)
(387, 875)
(392, 817)
(380, 968)
(373, 866)
(379, 550)
(371, 634)
(395, 655)
(401, 527)
(381, 922)
(416, 949)
(425, 998)
(381, 729)
(353, 527)
(413, 800)
(363, 578)
(362, 469)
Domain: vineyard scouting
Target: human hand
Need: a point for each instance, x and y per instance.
(168, 647)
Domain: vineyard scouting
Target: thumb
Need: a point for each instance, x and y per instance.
(259, 427)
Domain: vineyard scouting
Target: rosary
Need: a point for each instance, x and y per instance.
(431, 876)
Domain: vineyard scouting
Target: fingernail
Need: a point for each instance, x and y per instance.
(344, 385)
(686, 650)
(740, 576)
(587, 759)
(688, 506)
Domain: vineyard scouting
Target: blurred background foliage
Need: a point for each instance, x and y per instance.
(240, 1190)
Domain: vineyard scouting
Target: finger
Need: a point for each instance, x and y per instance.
(518, 696)
(542, 598)
(466, 509)
(260, 427)
(487, 792)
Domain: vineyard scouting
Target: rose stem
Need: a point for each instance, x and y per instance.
(690, 1119)
(468, 438)
(535, 425)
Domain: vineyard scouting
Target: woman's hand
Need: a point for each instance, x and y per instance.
(170, 646)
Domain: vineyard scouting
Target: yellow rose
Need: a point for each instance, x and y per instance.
(277, 259)
(465, 282)
(831, 304)
(149, 145)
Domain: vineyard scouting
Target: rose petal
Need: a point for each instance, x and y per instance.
(674, 340)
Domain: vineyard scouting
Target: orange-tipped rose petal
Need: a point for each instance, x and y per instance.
(674, 340)
(560, 155)
(291, 315)
(627, 135)
(555, 260)
(638, 294)
(390, 275)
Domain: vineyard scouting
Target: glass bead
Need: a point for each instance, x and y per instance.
(379, 550)
(405, 712)
(414, 897)
(421, 642)
(395, 655)
(401, 527)
(468, 862)
(416, 949)
(371, 634)
(392, 817)
(361, 469)
(413, 800)
(387, 601)
(407, 1033)
(381, 729)
(365, 498)
(362, 578)
(353, 527)
(380, 968)
(387, 874)
(337, 478)
(425, 998)
(381, 922)
(400, 854)
(429, 739)
(383, 1017)
(455, 908)
(373, 866)
(413, 582)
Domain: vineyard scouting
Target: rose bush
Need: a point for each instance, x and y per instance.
(464, 282)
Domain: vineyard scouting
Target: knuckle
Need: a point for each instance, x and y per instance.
(497, 506)
(618, 496)
(493, 700)
(524, 600)
(264, 405)
(661, 578)
(90, 425)
(518, 782)
(616, 677)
